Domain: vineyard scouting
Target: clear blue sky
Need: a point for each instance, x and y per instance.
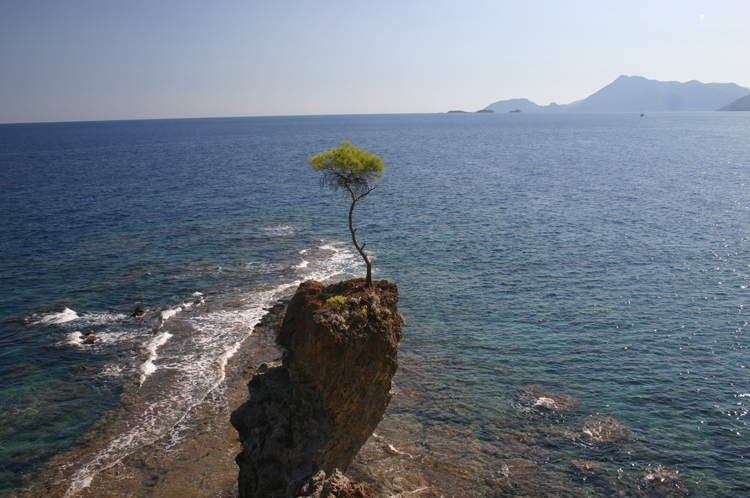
(69, 60)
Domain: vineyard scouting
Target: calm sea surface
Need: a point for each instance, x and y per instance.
(603, 257)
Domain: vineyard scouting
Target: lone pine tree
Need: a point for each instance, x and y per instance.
(354, 170)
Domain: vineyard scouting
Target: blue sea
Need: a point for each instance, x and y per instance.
(604, 258)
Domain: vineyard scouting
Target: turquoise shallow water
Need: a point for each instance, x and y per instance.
(603, 257)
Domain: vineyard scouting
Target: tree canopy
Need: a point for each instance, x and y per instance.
(348, 167)
(355, 170)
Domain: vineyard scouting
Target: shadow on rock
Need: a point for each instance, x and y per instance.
(315, 410)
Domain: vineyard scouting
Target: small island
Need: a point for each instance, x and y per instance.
(515, 110)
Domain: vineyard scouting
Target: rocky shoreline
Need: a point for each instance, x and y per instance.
(196, 458)
(417, 450)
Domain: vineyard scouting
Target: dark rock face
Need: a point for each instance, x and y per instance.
(281, 430)
(316, 409)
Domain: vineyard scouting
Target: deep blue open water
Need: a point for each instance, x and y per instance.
(604, 257)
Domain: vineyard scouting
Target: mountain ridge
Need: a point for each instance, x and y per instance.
(639, 94)
(741, 104)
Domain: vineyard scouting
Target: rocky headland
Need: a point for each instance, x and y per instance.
(309, 414)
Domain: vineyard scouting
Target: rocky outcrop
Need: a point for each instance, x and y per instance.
(336, 486)
(316, 408)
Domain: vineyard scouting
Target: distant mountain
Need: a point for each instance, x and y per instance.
(636, 93)
(742, 104)
(523, 105)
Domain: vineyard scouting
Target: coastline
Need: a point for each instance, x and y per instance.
(196, 458)
(417, 451)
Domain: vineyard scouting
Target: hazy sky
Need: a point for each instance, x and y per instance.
(67, 60)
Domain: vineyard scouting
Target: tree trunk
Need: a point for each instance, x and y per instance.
(360, 249)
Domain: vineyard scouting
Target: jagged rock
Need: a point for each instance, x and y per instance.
(282, 427)
(604, 429)
(336, 486)
(316, 409)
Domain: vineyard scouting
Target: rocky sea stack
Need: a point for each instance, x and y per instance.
(316, 408)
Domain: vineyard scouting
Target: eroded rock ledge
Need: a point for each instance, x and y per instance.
(315, 409)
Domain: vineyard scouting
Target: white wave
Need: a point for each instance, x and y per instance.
(64, 316)
(196, 294)
(112, 371)
(169, 313)
(545, 402)
(197, 368)
(73, 339)
(148, 367)
(85, 319)
(200, 373)
(279, 230)
(303, 264)
(93, 319)
(342, 261)
(79, 485)
(112, 336)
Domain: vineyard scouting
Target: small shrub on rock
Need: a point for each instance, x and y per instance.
(336, 303)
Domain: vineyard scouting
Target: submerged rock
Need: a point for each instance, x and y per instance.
(539, 399)
(315, 410)
(604, 429)
(138, 312)
(663, 481)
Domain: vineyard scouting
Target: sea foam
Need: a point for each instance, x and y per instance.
(209, 338)
(64, 316)
(148, 367)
